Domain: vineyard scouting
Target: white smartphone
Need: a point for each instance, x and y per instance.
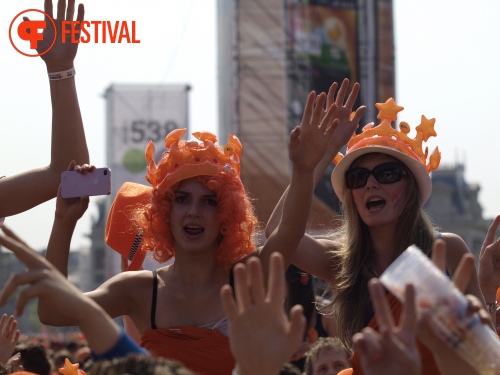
(96, 182)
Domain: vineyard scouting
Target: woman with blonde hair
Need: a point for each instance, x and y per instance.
(383, 183)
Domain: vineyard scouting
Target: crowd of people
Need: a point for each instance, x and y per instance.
(225, 305)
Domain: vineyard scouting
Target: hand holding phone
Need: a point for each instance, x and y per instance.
(95, 182)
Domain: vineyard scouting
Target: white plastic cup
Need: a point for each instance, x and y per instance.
(451, 319)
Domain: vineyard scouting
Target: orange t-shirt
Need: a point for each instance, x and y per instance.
(429, 366)
(202, 350)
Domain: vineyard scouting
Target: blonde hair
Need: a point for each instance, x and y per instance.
(353, 257)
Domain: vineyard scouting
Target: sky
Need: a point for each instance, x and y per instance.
(446, 54)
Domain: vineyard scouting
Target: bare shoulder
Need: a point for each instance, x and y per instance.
(455, 249)
(123, 292)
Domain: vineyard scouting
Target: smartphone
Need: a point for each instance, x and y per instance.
(96, 182)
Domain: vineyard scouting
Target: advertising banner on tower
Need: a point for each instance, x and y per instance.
(137, 114)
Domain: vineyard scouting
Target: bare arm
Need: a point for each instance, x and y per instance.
(68, 136)
(68, 212)
(307, 145)
(456, 250)
(43, 281)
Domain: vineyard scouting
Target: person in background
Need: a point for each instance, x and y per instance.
(328, 356)
(33, 358)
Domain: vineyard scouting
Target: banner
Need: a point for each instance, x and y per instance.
(323, 44)
(137, 114)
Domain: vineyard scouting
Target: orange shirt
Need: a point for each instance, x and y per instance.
(202, 350)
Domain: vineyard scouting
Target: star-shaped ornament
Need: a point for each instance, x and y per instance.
(70, 369)
(388, 110)
(426, 127)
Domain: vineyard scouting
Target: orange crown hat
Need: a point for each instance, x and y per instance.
(182, 160)
(186, 159)
(396, 143)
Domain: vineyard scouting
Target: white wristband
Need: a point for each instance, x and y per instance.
(55, 76)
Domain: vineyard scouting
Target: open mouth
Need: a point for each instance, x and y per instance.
(193, 230)
(375, 204)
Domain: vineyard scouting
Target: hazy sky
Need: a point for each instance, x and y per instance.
(446, 68)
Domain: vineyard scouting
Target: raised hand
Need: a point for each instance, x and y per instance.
(393, 351)
(9, 334)
(61, 55)
(347, 123)
(308, 142)
(261, 336)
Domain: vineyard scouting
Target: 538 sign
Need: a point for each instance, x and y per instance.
(141, 131)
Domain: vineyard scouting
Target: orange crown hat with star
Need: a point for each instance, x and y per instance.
(186, 159)
(385, 139)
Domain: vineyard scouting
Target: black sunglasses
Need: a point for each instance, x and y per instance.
(386, 173)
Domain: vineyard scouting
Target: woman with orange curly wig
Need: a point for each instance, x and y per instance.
(197, 211)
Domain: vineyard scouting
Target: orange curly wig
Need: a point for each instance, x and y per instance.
(235, 213)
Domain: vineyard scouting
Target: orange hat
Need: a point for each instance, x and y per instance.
(182, 160)
(122, 234)
(384, 139)
(186, 159)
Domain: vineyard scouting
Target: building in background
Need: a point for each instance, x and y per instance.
(271, 55)
(454, 206)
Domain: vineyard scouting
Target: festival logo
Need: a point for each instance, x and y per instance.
(33, 32)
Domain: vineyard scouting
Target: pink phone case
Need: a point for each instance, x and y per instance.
(96, 182)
